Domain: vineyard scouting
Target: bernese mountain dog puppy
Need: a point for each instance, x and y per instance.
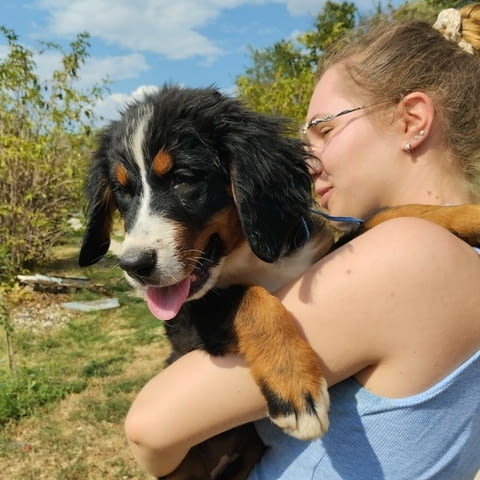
(216, 201)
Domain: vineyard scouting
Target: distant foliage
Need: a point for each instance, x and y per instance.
(45, 138)
(279, 82)
(281, 78)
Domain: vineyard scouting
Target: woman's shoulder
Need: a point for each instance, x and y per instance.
(429, 270)
(389, 301)
(408, 245)
(411, 235)
(405, 245)
(425, 279)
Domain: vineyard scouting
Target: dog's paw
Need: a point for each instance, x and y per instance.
(285, 367)
(302, 413)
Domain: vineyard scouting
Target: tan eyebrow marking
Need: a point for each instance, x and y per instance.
(121, 174)
(162, 163)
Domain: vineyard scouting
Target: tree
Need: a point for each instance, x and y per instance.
(330, 25)
(45, 137)
(281, 78)
(276, 82)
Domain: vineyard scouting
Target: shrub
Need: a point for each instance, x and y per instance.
(45, 138)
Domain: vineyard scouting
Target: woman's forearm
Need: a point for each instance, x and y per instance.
(155, 461)
(193, 399)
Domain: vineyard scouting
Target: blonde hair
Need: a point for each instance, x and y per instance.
(390, 61)
(470, 28)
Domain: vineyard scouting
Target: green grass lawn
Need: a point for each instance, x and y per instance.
(61, 414)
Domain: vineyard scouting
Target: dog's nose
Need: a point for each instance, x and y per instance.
(140, 264)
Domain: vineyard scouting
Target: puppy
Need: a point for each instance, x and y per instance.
(216, 201)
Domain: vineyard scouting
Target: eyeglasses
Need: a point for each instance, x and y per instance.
(331, 116)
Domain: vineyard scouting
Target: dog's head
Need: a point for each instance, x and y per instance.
(194, 175)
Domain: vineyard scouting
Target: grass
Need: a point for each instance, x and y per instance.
(61, 415)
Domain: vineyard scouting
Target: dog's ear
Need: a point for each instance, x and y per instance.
(101, 206)
(271, 185)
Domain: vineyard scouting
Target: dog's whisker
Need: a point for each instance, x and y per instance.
(195, 264)
(194, 259)
(208, 260)
(194, 251)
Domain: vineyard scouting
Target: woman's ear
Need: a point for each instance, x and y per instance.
(416, 118)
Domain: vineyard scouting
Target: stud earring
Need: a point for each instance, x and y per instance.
(420, 134)
(408, 146)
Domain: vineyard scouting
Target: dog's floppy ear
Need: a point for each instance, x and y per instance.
(271, 185)
(101, 206)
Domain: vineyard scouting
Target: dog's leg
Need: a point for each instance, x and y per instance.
(283, 364)
(193, 467)
(230, 455)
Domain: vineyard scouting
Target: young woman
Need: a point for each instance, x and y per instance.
(394, 314)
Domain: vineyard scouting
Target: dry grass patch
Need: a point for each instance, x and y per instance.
(82, 437)
(62, 413)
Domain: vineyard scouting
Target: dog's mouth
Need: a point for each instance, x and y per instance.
(165, 302)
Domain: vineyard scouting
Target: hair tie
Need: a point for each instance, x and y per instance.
(449, 23)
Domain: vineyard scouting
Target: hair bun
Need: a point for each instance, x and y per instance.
(449, 23)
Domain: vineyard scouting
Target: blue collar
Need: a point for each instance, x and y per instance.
(358, 221)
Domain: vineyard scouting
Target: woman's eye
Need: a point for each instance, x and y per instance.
(321, 131)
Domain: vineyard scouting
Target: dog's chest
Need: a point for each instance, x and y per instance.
(242, 267)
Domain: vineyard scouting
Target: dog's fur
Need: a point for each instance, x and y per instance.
(219, 195)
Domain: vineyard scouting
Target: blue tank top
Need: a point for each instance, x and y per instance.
(434, 435)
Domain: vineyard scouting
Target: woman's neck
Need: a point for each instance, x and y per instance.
(437, 185)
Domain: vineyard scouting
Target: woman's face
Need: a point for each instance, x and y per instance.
(357, 169)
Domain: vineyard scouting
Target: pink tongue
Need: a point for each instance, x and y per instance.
(165, 302)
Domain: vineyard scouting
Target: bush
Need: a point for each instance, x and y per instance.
(45, 139)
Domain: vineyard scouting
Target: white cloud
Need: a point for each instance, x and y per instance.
(95, 69)
(110, 107)
(312, 7)
(301, 7)
(165, 27)
(140, 92)
(113, 67)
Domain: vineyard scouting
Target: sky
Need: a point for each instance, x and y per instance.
(142, 44)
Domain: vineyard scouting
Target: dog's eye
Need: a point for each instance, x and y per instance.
(125, 190)
(123, 195)
(189, 188)
(184, 176)
(123, 199)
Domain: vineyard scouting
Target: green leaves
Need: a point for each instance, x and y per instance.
(46, 130)
(280, 79)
